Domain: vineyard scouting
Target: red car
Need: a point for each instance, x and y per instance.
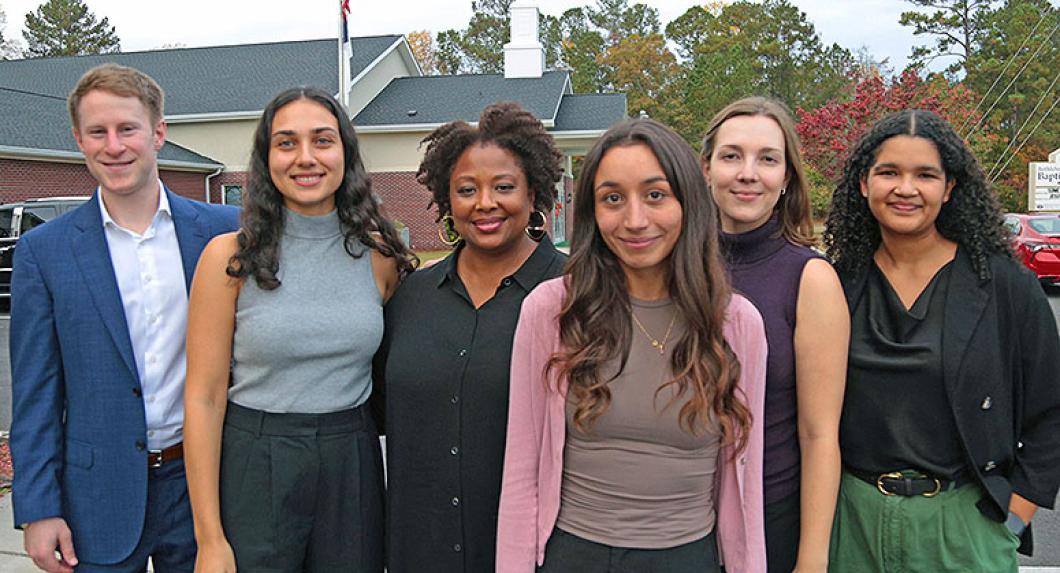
(1036, 241)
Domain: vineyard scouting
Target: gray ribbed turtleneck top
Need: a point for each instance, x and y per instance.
(307, 346)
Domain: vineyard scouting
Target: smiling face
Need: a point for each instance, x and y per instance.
(490, 200)
(906, 186)
(306, 161)
(120, 142)
(746, 171)
(638, 214)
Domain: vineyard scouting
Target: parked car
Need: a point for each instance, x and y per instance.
(16, 219)
(1036, 242)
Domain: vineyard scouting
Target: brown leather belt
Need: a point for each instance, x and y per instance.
(155, 458)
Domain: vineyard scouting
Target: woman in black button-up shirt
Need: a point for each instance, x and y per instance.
(445, 356)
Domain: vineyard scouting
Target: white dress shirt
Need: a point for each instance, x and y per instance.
(150, 276)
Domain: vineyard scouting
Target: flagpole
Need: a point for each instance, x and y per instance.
(344, 57)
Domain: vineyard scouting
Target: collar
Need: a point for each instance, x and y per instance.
(527, 276)
(163, 206)
(754, 245)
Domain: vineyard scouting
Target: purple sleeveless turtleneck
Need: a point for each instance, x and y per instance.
(767, 269)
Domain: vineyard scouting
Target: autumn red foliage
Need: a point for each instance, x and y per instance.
(829, 131)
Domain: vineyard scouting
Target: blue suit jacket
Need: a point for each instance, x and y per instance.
(78, 426)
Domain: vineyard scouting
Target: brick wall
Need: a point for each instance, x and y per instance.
(405, 200)
(226, 178)
(21, 179)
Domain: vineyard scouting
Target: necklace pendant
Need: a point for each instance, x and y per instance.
(662, 349)
(656, 344)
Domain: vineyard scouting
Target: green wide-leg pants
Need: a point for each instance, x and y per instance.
(876, 533)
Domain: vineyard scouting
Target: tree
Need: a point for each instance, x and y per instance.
(829, 130)
(422, 46)
(956, 25)
(8, 48)
(67, 28)
(645, 69)
(750, 48)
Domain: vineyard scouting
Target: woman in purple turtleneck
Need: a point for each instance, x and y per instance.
(752, 163)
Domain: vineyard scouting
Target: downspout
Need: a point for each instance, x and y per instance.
(208, 178)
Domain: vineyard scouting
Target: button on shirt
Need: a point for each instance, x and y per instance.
(150, 275)
(446, 378)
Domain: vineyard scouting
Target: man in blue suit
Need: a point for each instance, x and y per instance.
(98, 315)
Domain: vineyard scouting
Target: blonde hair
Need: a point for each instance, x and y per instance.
(121, 81)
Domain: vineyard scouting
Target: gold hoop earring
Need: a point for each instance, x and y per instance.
(536, 232)
(447, 231)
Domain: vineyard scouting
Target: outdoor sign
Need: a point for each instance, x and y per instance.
(1044, 184)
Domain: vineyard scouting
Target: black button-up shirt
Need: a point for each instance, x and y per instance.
(445, 376)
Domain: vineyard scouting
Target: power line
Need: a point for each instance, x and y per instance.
(1025, 140)
(1011, 82)
(1015, 55)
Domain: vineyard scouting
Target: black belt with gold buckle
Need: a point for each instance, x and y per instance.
(898, 483)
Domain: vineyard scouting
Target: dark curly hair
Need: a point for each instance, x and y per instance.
(506, 125)
(972, 217)
(594, 323)
(261, 224)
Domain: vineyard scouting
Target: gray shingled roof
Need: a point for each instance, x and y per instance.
(208, 80)
(584, 112)
(449, 98)
(38, 122)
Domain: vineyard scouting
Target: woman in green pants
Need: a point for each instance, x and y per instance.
(950, 433)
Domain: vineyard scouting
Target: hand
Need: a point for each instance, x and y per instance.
(215, 557)
(43, 537)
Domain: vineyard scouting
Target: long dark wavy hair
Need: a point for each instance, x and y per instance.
(595, 325)
(972, 217)
(793, 206)
(261, 224)
(511, 128)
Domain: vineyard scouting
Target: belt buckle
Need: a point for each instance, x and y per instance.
(154, 459)
(938, 488)
(879, 482)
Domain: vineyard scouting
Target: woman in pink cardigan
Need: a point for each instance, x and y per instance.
(634, 437)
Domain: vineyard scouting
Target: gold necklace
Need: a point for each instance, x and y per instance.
(655, 342)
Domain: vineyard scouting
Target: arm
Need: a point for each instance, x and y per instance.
(517, 515)
(386, 274)
(211, 323)
(1036, 473)
(37, 412)
(822, 338)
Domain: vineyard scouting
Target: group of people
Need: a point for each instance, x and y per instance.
(694, 388)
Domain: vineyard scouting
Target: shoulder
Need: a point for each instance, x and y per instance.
(221, 248)
(416, 288)
(547, 296)
(819, 279)
(224, 215)
(743, 322)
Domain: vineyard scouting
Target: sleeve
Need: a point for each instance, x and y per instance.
(752, 350)
(377, 399)
(1036, 475)
(37, 392)
(518, 513)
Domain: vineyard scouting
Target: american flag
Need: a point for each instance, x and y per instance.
(345, 12)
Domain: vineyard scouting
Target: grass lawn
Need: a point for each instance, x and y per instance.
(431, 255)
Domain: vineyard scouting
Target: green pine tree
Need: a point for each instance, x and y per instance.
(67, 28)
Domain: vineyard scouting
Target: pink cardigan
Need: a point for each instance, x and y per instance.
(533, 464)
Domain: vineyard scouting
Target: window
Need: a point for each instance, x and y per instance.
(34, 216)
(232, 195)
(6, 215)
(1013, 225)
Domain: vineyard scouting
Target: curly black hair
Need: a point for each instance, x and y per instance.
(972, 217)
(506, 125)
(261, 223)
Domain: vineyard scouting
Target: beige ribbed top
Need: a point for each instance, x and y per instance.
(637, 478)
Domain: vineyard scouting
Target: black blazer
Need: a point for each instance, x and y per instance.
(1001, 364)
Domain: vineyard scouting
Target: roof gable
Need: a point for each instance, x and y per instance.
(34, 124)
(461, 97)
(218, 79)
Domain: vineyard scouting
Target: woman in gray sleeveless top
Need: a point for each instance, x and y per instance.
(284, 467)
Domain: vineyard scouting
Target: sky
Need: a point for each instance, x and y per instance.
(146, 25)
